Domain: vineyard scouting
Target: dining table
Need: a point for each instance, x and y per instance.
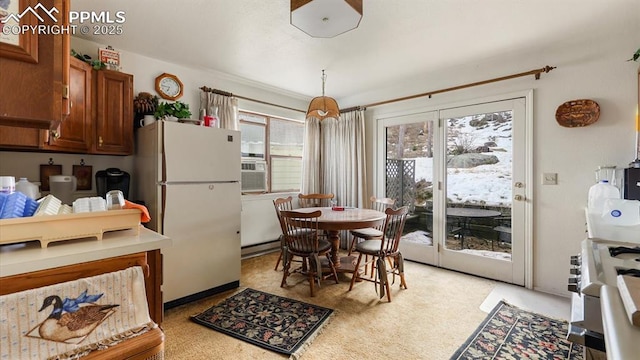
(466, 214)
(334, 220)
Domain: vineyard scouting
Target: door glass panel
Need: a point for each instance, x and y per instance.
(409, 180)
(479, 184)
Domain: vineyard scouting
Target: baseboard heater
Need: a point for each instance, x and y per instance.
(201, 295)
(260, 249)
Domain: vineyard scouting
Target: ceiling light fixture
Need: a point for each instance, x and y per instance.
(326, 18)
(323, 107)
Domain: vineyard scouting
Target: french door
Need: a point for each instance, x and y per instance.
(464, 174)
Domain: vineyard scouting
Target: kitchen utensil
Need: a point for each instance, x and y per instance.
(147, 120)
(27, 188)
(63, 187)
(115, 200)
(7, 184)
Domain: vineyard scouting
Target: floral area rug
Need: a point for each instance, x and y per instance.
(273, 322)
(512, 333)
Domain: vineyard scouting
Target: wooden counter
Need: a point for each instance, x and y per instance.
(27, 265)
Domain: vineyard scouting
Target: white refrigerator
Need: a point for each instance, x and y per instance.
(189, 178)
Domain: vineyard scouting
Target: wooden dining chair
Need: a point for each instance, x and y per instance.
(302, 240)
(315, 200)
(282, 204)
(383, 250)
(379, 204)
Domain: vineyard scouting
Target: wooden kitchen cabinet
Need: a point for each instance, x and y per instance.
(75, 132)
(12, 137)
(100, 120)
(113, 113)
(34, 84)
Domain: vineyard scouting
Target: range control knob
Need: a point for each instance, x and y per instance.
(575, 260)
(574, 271)
(572, 288)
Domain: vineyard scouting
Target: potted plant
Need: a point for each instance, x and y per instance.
(176, 110)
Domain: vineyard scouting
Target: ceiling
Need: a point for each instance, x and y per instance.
(395, 41)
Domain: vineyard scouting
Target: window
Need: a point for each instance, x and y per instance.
(279, 142)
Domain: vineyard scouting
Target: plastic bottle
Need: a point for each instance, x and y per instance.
(27, 188)
(598, 193)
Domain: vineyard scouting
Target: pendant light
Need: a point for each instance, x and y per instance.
(323, 107)
(326, 18)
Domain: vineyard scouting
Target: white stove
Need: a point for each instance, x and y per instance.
(599, 263)
(605, 260)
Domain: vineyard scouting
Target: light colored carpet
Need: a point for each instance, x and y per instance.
(429, 320)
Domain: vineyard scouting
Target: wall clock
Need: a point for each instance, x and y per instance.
(169, 86)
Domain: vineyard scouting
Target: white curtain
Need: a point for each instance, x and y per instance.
(227, 108)
(334, 159)
(311, 173)
(343, 168)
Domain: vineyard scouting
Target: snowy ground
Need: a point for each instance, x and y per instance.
(483, 185)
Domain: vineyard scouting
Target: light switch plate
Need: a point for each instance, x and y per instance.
(549, 179)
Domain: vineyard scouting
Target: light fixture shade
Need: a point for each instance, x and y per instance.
(326, 18)
(323, 107)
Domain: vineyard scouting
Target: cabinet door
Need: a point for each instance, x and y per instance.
(33, 94)
(20, 138)
(114, 113)
(74, 133)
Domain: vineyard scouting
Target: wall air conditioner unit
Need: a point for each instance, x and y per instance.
(254, 175)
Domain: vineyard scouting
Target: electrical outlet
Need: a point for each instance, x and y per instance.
(550, 179)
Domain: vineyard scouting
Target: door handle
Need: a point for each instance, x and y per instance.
(519, 198)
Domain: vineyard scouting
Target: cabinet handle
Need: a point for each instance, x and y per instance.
(55, 135)
(99, 140)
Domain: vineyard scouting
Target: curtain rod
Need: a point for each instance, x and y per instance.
(224, 93)
(536, 72)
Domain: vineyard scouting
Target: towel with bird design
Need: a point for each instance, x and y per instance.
(71, 319)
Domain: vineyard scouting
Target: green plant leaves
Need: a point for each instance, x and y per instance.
(177, 109)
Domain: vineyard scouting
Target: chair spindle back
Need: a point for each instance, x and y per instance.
(315, 200)
(393, 226)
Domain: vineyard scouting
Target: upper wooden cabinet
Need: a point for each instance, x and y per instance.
(113, 96)
(75, 132)
(100, 120)
(35, 73)
(21, 138)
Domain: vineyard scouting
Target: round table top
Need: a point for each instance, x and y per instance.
(472, 212)
(350, 218)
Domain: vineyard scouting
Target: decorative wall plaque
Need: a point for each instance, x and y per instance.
(578, 113)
